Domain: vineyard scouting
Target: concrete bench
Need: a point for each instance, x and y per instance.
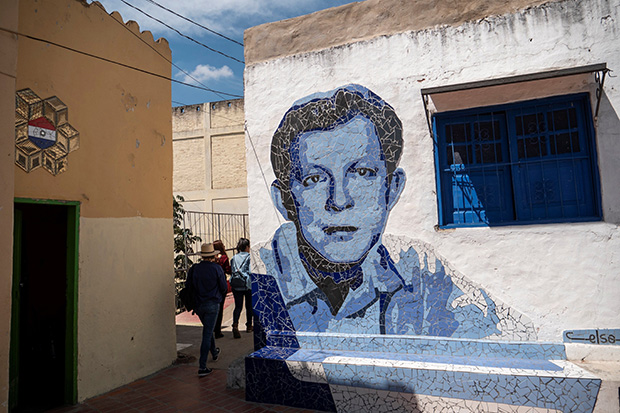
(378, 373)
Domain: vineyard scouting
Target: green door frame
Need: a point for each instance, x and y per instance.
(73, 226)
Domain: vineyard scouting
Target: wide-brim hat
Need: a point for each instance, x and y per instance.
(207, 250)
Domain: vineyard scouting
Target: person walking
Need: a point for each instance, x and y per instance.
(241, 286)
(209, 284)
(222, 260)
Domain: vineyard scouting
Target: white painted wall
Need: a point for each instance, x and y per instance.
(562, 276)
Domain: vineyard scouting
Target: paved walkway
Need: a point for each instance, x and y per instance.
(178, 388)
(189, 336)
(175, 389)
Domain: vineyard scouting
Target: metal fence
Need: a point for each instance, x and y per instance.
(210, 226)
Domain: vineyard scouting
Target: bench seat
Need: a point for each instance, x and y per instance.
(409, 373)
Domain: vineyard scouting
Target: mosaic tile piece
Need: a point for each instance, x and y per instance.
(307, 371)
(268, 380)
(350, 399)
(431, 345)
(561, 393)
(440, 362)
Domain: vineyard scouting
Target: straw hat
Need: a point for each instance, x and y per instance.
(207, 250)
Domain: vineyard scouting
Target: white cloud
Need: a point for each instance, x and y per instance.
(230, 17)
(205, 73)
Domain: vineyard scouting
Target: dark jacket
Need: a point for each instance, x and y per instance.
(209, 282)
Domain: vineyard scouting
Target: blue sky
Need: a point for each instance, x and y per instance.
(228, 17)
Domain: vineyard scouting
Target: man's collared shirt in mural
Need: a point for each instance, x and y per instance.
(405, 289)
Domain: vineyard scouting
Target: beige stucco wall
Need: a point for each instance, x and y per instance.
(8, 65)
(122, 176)
(123, 164)
(229, 168)
(209, 156)
(126, 305)
(227, 113)
(365, 20)
(189, 162)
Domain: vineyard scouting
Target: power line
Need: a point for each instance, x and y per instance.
(181, 34)
(193, 22)
(267, 187)
(116, 63)
(156, 51)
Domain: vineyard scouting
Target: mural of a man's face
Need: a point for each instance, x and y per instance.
(339, 183)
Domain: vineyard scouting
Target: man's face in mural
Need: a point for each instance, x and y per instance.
(340, 187)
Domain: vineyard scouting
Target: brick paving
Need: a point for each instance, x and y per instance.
(175, 389)
(178, 388)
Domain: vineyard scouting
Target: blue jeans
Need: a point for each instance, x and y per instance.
(208, 315)
(239, 296)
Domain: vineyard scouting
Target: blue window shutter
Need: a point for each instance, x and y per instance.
(552, 177)
(524, 162)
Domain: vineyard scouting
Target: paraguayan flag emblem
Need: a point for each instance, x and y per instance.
(41, 132)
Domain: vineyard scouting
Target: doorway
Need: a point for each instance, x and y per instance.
(43, 365)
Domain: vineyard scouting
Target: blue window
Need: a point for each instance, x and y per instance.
(526, 162)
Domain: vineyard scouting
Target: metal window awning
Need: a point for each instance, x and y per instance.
(600, 70)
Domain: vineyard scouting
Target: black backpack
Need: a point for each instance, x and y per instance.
(188, 294)
(237, 279)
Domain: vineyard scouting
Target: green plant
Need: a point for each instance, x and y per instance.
(183, 239)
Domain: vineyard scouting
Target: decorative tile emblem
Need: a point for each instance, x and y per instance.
(43, 135)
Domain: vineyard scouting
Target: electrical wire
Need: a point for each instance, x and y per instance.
(279, 217)
(193, 22)
(155, 50)
(116, 63)
(181, 34)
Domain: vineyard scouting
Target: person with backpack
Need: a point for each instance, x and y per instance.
(241, 286)
(208, 282)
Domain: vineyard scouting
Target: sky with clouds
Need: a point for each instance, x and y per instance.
(228, 17)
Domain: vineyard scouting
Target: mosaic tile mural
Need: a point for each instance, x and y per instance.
(335, 156)
(43, 135)
(353, 319)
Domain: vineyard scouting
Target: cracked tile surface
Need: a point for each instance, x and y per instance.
(353, 319)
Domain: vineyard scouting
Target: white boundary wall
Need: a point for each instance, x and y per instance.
(562, 276)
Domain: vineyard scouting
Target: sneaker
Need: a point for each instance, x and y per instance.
(218, 335)
(217, 354)
(236, 333)
(249, 329)
(204, 372)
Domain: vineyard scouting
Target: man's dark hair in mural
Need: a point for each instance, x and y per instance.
(335, 156)
(328, 113)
